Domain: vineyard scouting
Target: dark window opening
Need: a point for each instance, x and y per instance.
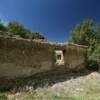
(58, 57)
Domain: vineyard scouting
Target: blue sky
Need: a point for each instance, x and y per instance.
(54, 18)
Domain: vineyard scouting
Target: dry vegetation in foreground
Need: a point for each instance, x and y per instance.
(77, 86)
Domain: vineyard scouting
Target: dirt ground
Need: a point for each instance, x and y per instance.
(74, 86)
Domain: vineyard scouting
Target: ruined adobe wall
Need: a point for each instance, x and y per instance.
(23, 58)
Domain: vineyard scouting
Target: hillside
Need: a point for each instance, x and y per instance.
(74, 86)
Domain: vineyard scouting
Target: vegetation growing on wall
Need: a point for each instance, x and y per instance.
(88, 34)
(15, 28)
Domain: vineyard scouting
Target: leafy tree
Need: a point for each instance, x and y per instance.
(88, 31)
(2, 27)
(36, 35)
(86, 34)
(78, 36)
(88, 26)
(75, 35)
(18, 29)
(83, 34)
(97, 33)
(15, 28)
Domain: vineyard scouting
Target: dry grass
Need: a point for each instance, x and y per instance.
(71, 87)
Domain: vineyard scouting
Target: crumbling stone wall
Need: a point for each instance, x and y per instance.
(23, 58)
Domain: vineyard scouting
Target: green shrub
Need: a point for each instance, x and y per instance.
(93, 65)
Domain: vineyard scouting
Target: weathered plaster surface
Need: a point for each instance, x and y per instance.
(23, 58)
